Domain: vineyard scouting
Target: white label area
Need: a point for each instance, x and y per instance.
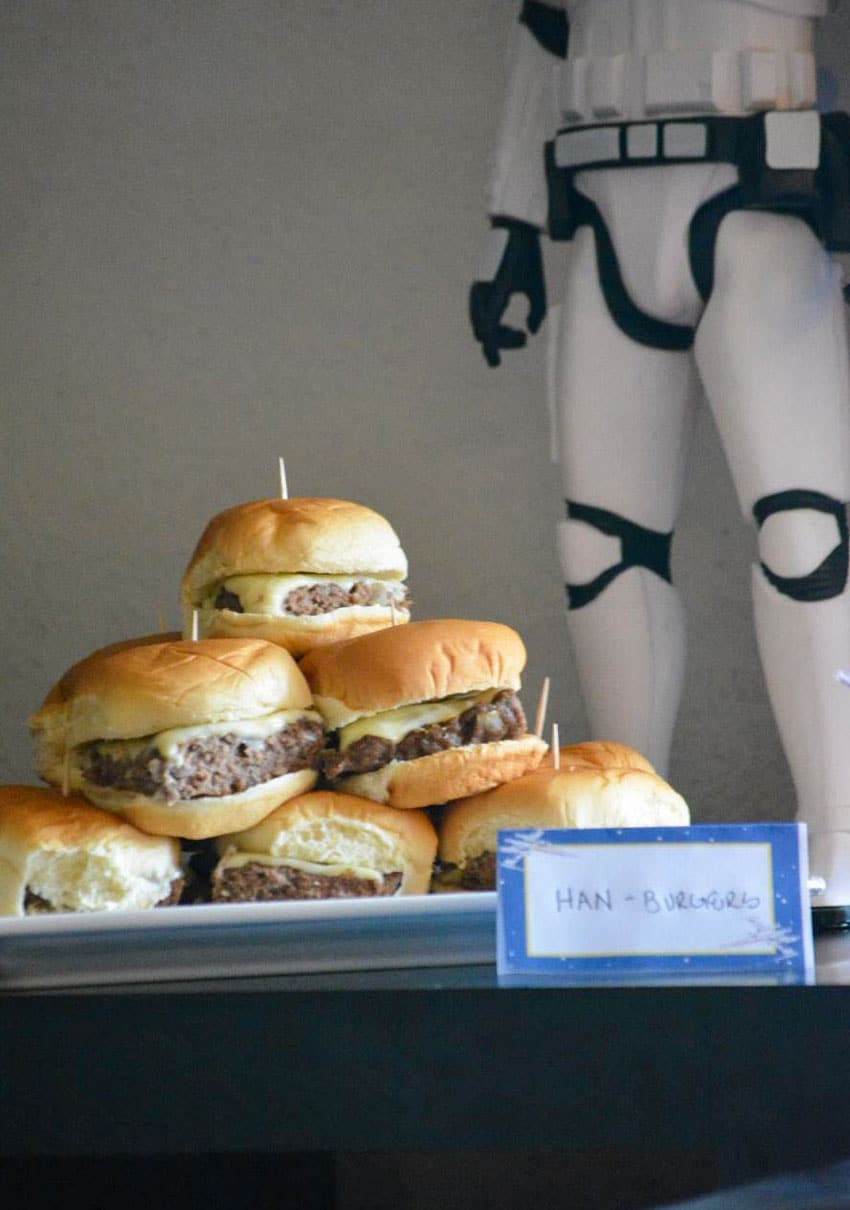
(607, 900)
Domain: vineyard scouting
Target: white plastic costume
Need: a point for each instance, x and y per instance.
(763, 338)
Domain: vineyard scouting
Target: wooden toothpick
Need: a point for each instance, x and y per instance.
(556, 747)
(284, 491)
(393, 612)
(540, 717)
(66, 772)
(195, 624)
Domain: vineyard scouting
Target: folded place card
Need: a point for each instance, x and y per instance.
(719, 903)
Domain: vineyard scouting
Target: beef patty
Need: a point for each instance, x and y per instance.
(211, 766)
(310, 600)
(484, 723)
(34, 905)
(254, 881)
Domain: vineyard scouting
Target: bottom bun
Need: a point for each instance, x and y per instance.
(565, 798)
(300, 634)
(328, 845)
(454, 773)
(61, 854)
(201, 818)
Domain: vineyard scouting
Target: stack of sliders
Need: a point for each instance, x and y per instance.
(597, 785)
(221, 757)
(202, 740)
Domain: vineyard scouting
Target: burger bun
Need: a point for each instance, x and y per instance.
(75, 857)
(455, 773)
(592, 793)
(335, 829)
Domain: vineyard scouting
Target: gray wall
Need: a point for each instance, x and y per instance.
(240, 229)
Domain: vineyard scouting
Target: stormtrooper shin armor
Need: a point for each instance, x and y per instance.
(676, 290)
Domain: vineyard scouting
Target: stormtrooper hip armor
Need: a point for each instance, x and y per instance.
(688, 165)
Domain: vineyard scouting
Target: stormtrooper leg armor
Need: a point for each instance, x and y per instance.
(772, 353)
(625, 418)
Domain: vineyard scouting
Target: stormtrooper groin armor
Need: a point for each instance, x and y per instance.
(678, 147)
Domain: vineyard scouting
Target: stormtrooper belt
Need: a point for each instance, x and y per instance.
(787, 140)
(788, 162)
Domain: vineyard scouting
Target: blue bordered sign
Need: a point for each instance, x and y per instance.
(711, 902)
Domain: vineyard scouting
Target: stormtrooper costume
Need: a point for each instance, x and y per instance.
(687, 163)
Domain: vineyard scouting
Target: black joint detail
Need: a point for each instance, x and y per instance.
(641, 547)
(702, 237)
(829, 579)
(643, 328)
(548, 25)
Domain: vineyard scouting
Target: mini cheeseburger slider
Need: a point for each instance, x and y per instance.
(424, 712)
(188, 739)
(62, 854)
(325, 845)
(598, 785)
(300, 572)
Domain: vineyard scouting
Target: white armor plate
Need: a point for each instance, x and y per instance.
(630, 59)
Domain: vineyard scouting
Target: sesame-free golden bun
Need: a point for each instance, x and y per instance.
(201, 818)
(600, 754)
(76, 857)
(141, 689)
(138, 691)
(590, 792)
(419, 662)
(422, 662)
(326, 828)
(300, 535)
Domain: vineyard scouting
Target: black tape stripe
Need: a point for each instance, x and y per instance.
(829, 578)
(641, 547)
(643, 328)
(548, 25)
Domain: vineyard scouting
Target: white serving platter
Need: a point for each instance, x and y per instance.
(212, 941)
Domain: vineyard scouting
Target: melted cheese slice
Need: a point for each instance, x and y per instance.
(395, 724)
(172, 743)
(233, 860)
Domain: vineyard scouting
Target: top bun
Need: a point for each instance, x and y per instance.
(600, 754)
(60, 692)
(34, 817)
(576, 796)
(282, 536)
(138, 690)
(418, 662)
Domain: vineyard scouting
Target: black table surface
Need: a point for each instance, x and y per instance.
(429, 1058)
